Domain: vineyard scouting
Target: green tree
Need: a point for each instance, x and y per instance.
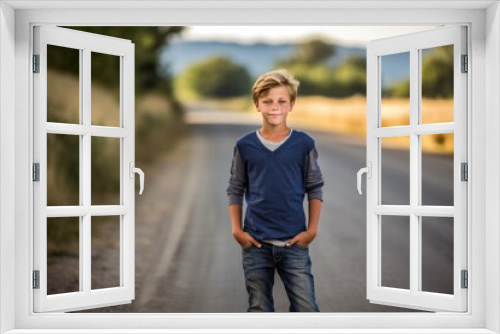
(216, 76)
(309, 64)
(356, 61)
(312, 52)
(399, 88)
(148, 42)
(349, 77)
(437, 73)
(437, 76)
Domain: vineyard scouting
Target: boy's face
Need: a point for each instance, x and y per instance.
(275, 106)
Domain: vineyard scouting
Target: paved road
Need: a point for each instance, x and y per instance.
(187, 260)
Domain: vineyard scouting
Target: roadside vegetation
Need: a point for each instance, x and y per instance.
(158, 126)
(217, 76)
(331, 98)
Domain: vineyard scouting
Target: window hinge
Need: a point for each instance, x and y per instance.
(465, 279)
(36, 63)
(465, 64)
(465, 171)
(36, 172)
(36, 279)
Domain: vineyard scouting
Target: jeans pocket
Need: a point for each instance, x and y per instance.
(305, 247)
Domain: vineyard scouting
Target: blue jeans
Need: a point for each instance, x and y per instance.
(294, 267)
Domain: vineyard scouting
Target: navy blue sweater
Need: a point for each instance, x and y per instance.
(275, 185)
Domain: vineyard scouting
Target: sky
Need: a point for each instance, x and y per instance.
(345, 35)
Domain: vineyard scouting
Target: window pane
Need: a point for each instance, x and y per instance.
(395, 82)
(105, 252)
(395, 251)
(437, 254)
(105, 91)
(437, 84)
(437, 169)
(395, 180)
(63, 170)
(105, 171)
(63, 85)
(63, 255)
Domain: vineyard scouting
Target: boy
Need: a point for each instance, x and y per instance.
(274, 167)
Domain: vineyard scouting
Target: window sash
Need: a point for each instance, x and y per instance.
(413, 298)
(86, 298)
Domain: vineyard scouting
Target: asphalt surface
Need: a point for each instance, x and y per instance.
(187, 260)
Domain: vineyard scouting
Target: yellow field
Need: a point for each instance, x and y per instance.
(348, 116)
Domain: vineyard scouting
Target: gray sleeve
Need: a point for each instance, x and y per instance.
(237, 180)
(314, 178)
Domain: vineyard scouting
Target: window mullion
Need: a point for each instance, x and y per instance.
(430, 129)
(122, 175)
(81, 173)
(86, 171)
(376, 198)
(415, 171)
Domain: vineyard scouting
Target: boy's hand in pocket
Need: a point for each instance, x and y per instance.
(245, 239)
(302, 239)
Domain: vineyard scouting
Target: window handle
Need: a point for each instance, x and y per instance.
(368, 171)
(138, 171)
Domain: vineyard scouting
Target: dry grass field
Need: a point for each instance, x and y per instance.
(348, 116)
(157, 127)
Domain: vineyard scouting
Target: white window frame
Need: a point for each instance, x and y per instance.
(483, 21)
(376, 211)
(85, 43)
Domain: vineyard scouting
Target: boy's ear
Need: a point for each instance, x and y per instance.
(257, 107)
(291, 105)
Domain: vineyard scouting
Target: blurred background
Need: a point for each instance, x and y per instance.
(193, 100)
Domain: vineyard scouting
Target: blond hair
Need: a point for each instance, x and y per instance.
(274, 79)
